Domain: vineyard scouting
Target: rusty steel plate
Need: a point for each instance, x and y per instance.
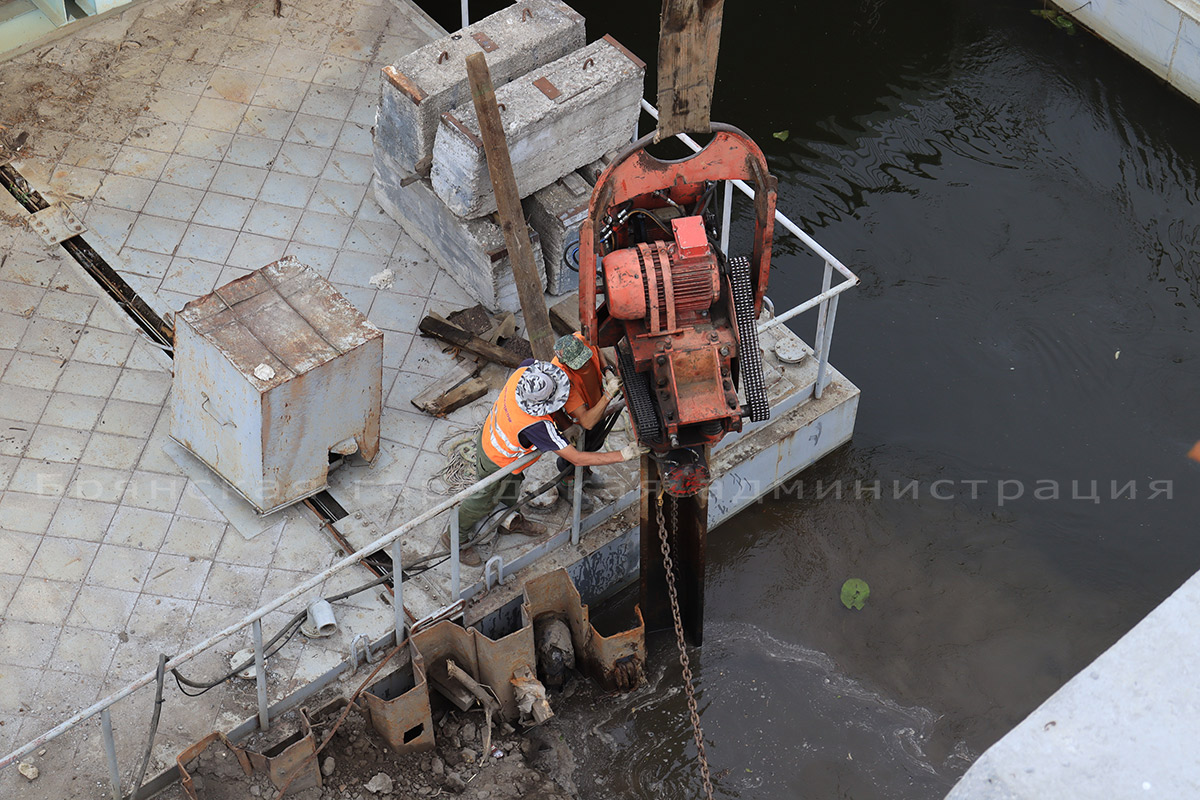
(56, 223)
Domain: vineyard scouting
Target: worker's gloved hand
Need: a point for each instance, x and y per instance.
(612, 385)
(572, 432)
(631, 451)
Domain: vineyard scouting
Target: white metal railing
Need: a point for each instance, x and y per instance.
(254, 621)
(826, 301)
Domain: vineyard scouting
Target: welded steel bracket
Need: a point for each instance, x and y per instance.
(292, 756)
(616, 662)
(192, 752)
(56, 223)
(398, 707)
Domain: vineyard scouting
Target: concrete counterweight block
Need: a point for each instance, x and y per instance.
(556, 213)
(421, 86)
(473, 251)
(556, 119)
(272, 371)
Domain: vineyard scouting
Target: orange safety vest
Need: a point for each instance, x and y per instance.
(586, 387)
(502, 428)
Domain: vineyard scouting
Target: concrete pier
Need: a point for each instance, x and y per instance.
(1124, 727)
(1161, 35)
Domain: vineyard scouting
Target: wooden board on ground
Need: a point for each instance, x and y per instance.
(452, 334)
(447, 393)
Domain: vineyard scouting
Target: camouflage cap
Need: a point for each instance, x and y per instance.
(572, 351)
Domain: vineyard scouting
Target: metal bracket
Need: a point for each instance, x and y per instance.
(56, 223)
(486, 43)
(498, 560)
(369, 657)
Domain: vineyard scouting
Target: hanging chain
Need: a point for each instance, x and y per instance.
(669, 566)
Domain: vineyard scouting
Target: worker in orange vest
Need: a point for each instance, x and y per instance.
(592, 392)
(520, 423)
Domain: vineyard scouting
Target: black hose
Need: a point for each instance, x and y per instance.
(593, 440)
(288, 630)
(158, 701)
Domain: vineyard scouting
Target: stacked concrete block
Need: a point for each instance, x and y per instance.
(556, 213)
(556, 119)
(420, 87)
(591, 172)
(472, 251)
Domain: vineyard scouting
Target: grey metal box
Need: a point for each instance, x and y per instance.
(272, 371)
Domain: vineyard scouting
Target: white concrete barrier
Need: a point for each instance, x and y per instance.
(556, 119)
(1162, 35)
(420, 87)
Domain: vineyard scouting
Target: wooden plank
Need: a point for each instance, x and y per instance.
(688, 41)
(440, 329)
(449, 380)
(466, 392)
(508, 204)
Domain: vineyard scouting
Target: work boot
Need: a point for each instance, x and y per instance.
(593, 479)
(566, 491)
(466, 555)
(523, 527)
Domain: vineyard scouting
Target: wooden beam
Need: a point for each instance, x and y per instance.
(688, 41)
(466, 392)
(508, 204)
(452, 334)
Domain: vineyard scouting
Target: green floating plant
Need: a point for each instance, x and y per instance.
(1057, 19)
(855, 593)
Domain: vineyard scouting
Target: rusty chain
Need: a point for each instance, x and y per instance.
(669, 566)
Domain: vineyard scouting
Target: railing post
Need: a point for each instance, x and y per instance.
(826, 346)
(110, 753)
(726, 215)
(819, 339)
(260, 677)
(454, 565)
(398, 591)
(576, 504)
(466, 13)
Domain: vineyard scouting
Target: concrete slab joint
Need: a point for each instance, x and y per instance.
(419, 88)
(592, 109)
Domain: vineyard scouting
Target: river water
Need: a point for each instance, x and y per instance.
(1021, 205)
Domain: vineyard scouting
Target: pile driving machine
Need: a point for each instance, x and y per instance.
(654, 284)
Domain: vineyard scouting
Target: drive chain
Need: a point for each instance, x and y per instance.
(673, 594)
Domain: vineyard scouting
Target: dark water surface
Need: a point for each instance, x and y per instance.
(1021, 205)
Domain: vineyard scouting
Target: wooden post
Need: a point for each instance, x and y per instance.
(508, 204)
(688, 40)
